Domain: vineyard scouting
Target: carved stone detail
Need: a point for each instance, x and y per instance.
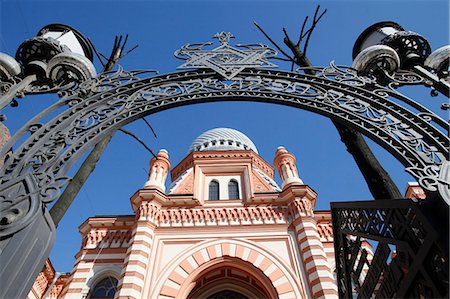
(300, 207)
(107, 238)
(161, 216)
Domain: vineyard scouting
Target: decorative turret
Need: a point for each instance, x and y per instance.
(285, 164)
(159, 168)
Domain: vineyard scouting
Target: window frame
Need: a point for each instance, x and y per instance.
(100, 280)
(215, 183)
(235, 184)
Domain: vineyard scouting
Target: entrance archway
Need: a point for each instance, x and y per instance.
(39, 166)
(227, 258)
(229, 277)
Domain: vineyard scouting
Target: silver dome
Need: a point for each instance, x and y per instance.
(222, 139)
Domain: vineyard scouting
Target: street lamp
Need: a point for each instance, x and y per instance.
(385, 47)
(56, 56)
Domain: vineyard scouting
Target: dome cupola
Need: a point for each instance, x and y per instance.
(222, 139)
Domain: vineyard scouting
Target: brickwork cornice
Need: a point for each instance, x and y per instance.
(300, 199)
(164, 210)
(106, 222)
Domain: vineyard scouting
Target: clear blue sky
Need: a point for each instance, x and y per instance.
(160, 28)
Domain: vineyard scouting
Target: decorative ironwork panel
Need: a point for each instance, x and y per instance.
(101, 105)
(409, 260)
(226, 60)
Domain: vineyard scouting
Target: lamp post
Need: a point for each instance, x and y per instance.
(418, 230)
(386, 47)
(55, 58)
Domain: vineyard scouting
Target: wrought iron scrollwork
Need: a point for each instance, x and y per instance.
(226, 60)
(100, 105)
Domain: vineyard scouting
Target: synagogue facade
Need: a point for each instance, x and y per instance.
(222, 229)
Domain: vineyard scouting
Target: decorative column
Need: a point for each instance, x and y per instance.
(159, 168)
(136, 264)
(285, 164)
(315, 263)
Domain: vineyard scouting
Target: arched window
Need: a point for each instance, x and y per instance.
(105, 288)
(214, 190)
(233, 189)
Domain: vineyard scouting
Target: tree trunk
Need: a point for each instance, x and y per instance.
(60, 207)
(378, 180)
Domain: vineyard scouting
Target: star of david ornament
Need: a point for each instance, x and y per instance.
(226, 60)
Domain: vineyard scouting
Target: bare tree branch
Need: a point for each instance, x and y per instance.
(299, 58)
(63, 203)
(99, 55)
(281, 58)
(300, 37)
(138, 140)
(129, 51)
(273, 43)
(314, 23)
(150, 126)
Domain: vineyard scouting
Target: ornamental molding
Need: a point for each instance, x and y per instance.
(190, 160)
(106, 238)
(325, 231)
(217, 216)
(301, 207)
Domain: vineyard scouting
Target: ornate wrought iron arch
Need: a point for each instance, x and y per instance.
(36, 172)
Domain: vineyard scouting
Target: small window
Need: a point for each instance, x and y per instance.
(105, 288)
(214, 190)
(233, 189)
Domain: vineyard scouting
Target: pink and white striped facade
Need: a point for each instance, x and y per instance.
(269, 243)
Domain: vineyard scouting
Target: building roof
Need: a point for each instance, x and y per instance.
(222, 139)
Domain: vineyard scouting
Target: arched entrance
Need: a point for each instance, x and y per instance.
(228, 278)
(227, 295)
(230, 265)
